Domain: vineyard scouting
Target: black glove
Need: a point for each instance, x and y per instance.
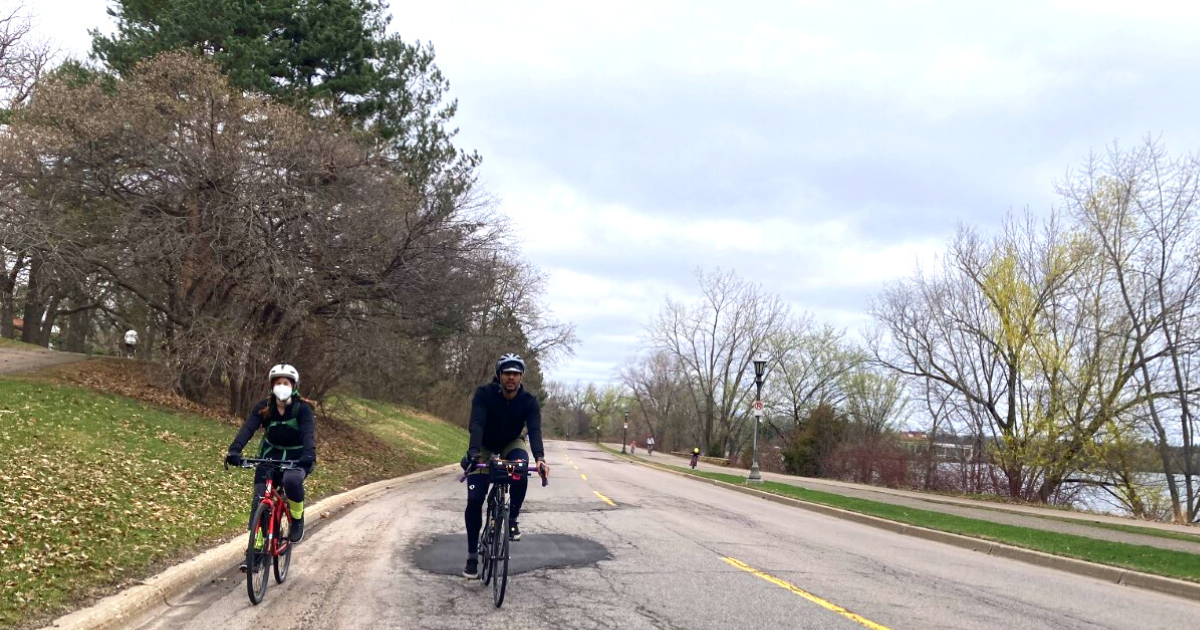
(468, 460)
(233, 459)
(306, 461)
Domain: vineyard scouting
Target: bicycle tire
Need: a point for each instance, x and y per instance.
(282, 560)
(485, 547)
(500, 570)
(256, 559)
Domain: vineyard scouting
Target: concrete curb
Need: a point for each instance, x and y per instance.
(1169, 586)
(128, 605)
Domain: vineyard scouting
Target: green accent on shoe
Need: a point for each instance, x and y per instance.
(296, 508)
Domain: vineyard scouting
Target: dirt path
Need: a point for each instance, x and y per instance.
(15, 360)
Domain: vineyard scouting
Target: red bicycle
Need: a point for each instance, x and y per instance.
(269, 545)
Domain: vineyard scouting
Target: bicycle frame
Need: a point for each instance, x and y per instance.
(275, 500)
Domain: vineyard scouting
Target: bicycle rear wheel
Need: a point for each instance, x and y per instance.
(258, 555)
(500, 570)
(282, 560)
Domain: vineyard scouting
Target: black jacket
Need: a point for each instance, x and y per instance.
(289, 436)
(497, 421)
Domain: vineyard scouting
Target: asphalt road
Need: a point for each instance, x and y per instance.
(679, 554)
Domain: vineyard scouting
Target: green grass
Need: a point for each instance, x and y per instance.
(97, 491)
(428, 441)
(1129, 529)
(5, 342)
(1165, 562)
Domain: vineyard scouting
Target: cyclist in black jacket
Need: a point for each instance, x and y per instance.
(287, 423)
(500, 410)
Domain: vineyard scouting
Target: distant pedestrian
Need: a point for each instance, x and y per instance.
(130, 342)
(650, 445)
(632, 447)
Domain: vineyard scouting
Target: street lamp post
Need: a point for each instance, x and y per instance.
(624, 428)
(597, 433)
(760, 369)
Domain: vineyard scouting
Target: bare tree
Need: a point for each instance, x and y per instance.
(875, 403)
(1140, 207)
(806, 369)
(978, 326)
(23, 62)
(23, 59)
(714, 341)
(253, 233)
(659, 390)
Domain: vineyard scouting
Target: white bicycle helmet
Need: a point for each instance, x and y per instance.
(510, 363)
(283, 369)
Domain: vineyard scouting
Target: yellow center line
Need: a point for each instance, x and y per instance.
(605, 499)
(806, 595)
(574, 466)
(584, 476)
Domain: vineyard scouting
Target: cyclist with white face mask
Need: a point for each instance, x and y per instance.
(287, 423)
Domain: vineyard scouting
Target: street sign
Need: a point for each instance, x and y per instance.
(758, 409)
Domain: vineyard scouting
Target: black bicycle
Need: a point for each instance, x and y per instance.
(493, 541)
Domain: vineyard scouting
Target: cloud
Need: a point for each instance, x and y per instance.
(820, 149)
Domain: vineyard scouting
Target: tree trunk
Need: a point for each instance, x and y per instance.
(33, 304)
(929, 465)
(145, 350)
(75, 336)
(8, 310)
(708, 423)
(8, 298)
(51, 315)
(1015, 479)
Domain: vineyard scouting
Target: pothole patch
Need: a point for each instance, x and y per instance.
(446, 554)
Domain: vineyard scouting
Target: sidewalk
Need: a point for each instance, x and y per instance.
(1048, 519)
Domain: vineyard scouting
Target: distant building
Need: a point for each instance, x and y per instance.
(917, 441)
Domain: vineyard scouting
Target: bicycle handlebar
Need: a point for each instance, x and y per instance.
(487, 465)
(254, 462)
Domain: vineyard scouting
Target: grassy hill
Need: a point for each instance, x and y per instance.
(98, 490)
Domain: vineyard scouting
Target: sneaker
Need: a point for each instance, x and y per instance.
(472, 568)
(296, 533)
(244, 568)
(514, 532)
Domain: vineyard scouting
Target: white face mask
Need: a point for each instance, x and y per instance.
(283, 392)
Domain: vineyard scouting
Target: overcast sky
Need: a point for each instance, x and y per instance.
(821, 148)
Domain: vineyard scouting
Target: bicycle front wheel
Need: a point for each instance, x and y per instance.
(487, 544)
(500, 568)
(282, 560)
(258, 555)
